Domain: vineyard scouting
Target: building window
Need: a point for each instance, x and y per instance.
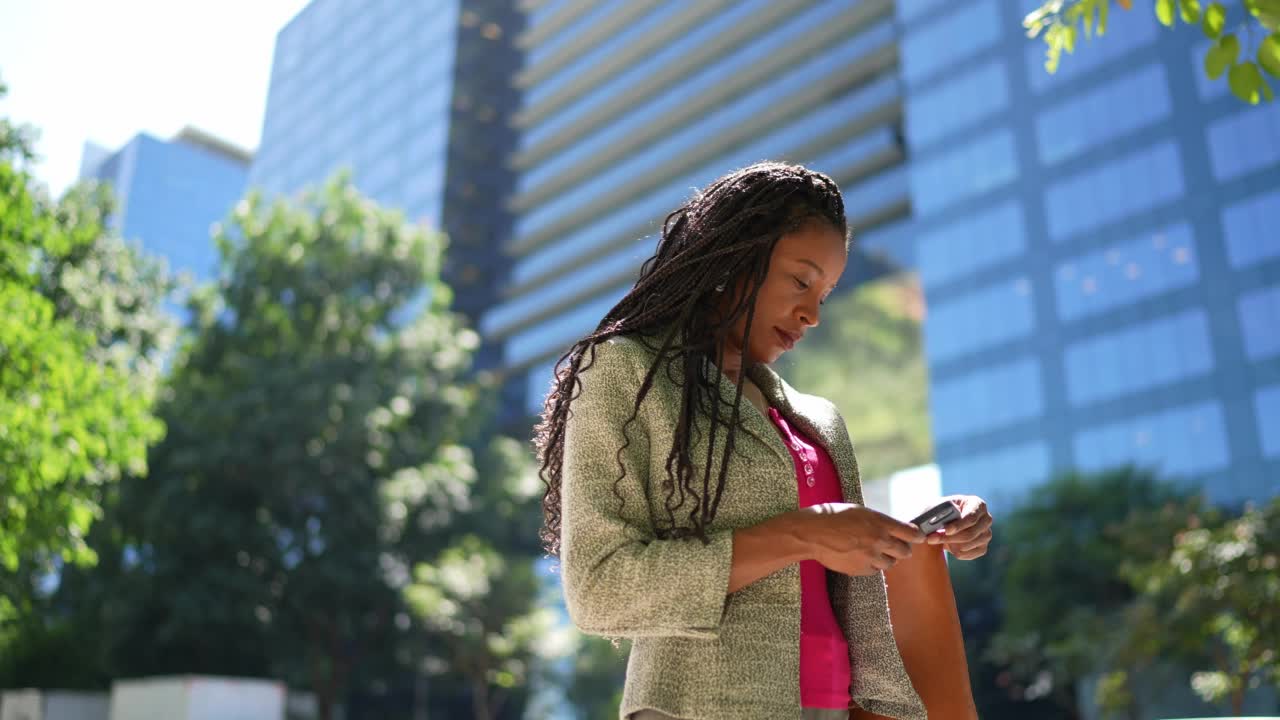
(1245, 142)
(939, 45)
(971, 243)
(1179, 441)
(1138, 358)
(980, 165)
(1135, 182)
(1258, 325)
(962, 101)
(1132, 101)
(1266, 403)
(1250, 229)
(1124, 273)
(987, 399)
(965, 324)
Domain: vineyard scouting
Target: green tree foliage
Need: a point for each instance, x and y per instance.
(1245, 49)
(1063, 596)
(866, 356)
(1211, 604)
(314, 424)
(82, 337)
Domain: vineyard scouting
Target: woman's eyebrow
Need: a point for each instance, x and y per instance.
(813, 264)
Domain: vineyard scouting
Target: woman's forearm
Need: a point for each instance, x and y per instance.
(767, 547)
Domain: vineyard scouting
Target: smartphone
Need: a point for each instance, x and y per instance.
(936, 517)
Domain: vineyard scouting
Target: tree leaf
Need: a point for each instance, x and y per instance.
(1164, 11)
(1103, 10)
(1214, 20)
(1190, 10)
(1245, 81)
(1269, 55)
(1266, 11)
(1221, 56)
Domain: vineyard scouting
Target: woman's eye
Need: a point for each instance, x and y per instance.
(800, 283)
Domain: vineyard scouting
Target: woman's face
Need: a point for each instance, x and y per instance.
(804, 268)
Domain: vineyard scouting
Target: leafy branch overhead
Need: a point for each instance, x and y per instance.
(1244, 49)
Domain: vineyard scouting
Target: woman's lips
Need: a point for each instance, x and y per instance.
(786, 340)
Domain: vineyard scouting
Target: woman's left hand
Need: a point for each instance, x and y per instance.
(968, 537)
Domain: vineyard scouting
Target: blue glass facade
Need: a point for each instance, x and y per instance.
(628, 106)
(1099, 254)
(415, 101)
(169, 193)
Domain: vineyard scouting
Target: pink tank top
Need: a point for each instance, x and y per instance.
(825, 674)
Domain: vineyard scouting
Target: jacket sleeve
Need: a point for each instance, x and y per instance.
(619, 580)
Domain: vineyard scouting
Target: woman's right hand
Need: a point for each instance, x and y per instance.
(856, 540)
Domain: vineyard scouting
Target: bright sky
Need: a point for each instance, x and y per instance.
(105, 70)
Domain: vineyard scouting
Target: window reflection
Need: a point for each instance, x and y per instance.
(1128, 185)
(1183, 440)
(1266, 403)
(986, 399)
(1138, 358)
(1127, 272)
(1110, 110)
(1250, 229)
(975, 167)
(971, 243)
(989, 316)
(940, 44)
(960, 102)
(1259, 311)
(1245, 142)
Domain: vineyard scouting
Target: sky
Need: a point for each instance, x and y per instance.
(105, 70)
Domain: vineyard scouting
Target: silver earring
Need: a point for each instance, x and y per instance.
(720, 287)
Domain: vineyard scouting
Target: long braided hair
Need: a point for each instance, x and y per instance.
(723, 237)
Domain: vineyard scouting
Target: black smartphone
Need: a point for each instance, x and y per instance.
(936, 517)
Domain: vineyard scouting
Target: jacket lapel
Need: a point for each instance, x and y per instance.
(817, 419)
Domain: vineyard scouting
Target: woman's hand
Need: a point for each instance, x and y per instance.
(968, 537)
(856, 540)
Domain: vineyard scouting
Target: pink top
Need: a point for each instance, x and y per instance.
(825, 674)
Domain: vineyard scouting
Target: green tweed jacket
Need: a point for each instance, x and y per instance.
(697, 653)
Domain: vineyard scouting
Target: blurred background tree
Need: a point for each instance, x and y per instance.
(1211, 604)
(1246, 36)
(82, 340)
(1063, 595)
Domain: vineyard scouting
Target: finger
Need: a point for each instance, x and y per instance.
(971, 524)
(882, 562)
(964, 537)
(905, 531)
(936, 538)
(979, 543)
(895, 548)
(964, 523)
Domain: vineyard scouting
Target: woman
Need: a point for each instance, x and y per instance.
(728, 540)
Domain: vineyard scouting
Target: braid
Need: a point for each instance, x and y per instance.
(723, 234)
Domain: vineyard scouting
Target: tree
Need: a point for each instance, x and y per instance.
(1064, 599)
(1210, 603)
(1062, 20)
(82, 337)
(316, 419)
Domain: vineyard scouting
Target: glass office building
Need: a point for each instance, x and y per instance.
(1099, 253)
(168, 193)
(414, 100)
(630, 104)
